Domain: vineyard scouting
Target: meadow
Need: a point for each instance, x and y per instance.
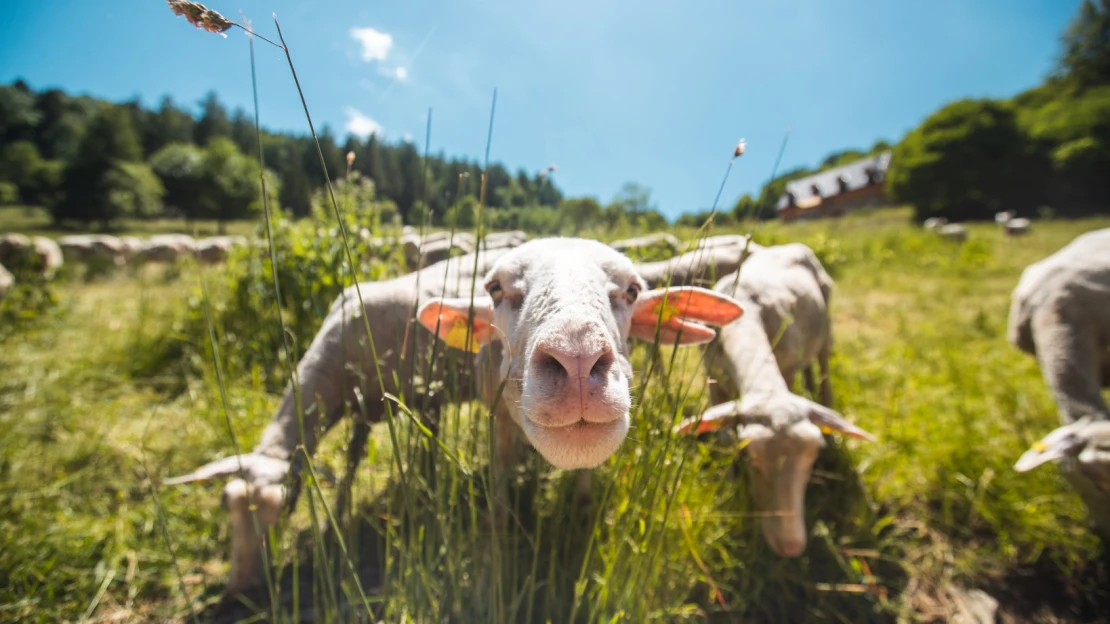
(115, 388)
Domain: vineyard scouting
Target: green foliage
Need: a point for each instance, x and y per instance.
(968, 160)
(580, 213)
(9, 194)
(180, 166)
(1086, 58)
(230, 187)
(131, 190)
(95, 184)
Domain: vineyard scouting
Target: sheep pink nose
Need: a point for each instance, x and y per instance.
(560, 360)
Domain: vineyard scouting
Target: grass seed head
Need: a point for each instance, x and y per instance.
(201, 16)
(740, 147)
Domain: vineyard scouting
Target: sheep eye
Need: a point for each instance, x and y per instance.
(633, 292)
(494, 290)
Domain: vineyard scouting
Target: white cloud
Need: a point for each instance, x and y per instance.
(401, 74)
(361, 125)
(408, 137)
(375, 44)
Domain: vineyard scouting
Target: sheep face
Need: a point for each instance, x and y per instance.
(563, 311)
(782, 435)
(1086, 442)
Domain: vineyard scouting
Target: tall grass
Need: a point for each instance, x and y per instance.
(669, 534)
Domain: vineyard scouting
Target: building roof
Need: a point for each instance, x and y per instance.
(854, 175)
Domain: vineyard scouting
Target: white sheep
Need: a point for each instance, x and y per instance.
(1085, 443)
(718, 256)
(1002, 218)
(167, 248)
(94, 248)
(7, 280)
(1017, 227)
(953, 232)
(785, 329)
(565, 308)
(1058, 313)
(934, 223)
(215, 250)
(40, 255)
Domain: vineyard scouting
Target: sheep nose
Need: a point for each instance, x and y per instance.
(564, 361)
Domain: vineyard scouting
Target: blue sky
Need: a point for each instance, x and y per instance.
(652, 91)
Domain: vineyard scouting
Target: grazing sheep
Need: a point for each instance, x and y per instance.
(934, 223)
(6, 282)
(93, 248)
(1002, 218)
(1017, 227)
(1085, 442)
(785, 293)
(658, 239)
(953, 232)
(216, 250)
(129, 247)
(39, 255)
(167, 248)
(565, 307)
(504, 240)
(439, 246)
(1058, 314)
(700, 266)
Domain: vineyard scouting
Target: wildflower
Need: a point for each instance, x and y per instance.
(201, 16)
(739, 151)
(350, 158)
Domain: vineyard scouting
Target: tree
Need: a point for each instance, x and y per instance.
(20, 164)
(1086, 58)
(230, 186)
(130, 189)
(213, 121)
(109, 142)
(18, 115)
(635, 199)
(180, 167)
(168, 125)
(967, 161)
(580, 212)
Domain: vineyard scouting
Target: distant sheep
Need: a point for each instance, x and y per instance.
(7, 280)
(39, 255)
(93, 249)
(167, 248)
(785, 294)
(1017, 227)
(1058, 313)
(1003, 218)
(216, 250)
(934, 223)
(953, 232)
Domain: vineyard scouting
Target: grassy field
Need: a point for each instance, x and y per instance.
(87, 431)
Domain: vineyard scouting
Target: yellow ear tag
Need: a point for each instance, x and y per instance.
(826, 430)
(1040, 447)
(669, 311)
(456, 337)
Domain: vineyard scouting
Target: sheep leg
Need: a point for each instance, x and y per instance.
(808, 380)
(253, 511)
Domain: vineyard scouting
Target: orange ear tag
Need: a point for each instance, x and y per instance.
(456, 337)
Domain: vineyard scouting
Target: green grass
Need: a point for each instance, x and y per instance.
(34, 221)
(921, 361)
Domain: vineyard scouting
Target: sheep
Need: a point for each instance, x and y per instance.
(701, 265)
(934, 223)
(1058, 315)
(1017, 227)
(504, 240)
(565, 307)
(93, 248)
(7, 280)
(785, 292)
(659, 239)
(166, 248)
(953, 232)
(1002, 218)
(216, 250)
(1086, 442)
(40, 255)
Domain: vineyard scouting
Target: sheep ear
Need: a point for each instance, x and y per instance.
(450, 320)
(714, 418)
(1055, 446)
(673, 310)
(216, 469)
(831, 421)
